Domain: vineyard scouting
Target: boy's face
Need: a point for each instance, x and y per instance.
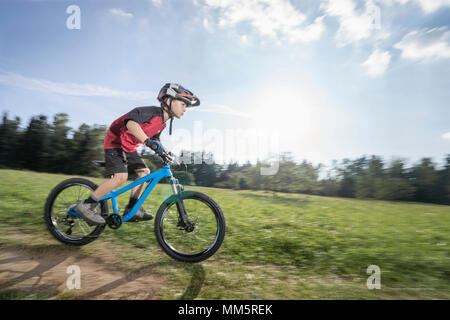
(178, 108)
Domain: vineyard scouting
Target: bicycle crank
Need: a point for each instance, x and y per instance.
(114, 221)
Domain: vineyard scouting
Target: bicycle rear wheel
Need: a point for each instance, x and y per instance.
(64, 225)
(190, 244)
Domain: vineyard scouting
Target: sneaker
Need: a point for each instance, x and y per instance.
(141, 215)
(89, 213)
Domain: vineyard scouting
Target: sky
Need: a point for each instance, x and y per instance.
(324, 80)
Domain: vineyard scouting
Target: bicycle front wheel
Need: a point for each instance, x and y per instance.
(206, 232)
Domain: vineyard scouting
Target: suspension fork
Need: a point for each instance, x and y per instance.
(183, 220)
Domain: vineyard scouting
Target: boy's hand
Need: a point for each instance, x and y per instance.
(155, 145)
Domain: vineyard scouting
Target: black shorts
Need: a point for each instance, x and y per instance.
(119, 161)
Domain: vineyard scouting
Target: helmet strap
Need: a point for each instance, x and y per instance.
(171, 114)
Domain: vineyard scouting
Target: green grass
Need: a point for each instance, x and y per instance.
(18, 295)
(277, 246)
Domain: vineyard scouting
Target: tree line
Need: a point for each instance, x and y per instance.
(52, 146)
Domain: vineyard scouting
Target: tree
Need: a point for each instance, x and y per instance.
(394, 189)
(243, 183)
(396, 169)
(232, 182)
(425, 178)
(9, 141)
(87, 146)
(347, 172)
(285, 178)
(443, 183)
(184, 177)
(34, 146)
(367, 178)
(330, 185)
(61, 145)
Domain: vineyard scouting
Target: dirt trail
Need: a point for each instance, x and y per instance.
(45, 273)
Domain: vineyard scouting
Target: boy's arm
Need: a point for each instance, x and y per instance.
(136, 130)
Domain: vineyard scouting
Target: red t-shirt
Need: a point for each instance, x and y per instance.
(149, 118)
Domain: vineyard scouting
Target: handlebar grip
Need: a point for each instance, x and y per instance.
(155, 145)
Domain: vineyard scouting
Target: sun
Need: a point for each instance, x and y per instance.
(285, 108)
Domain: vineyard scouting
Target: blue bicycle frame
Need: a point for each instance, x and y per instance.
(154, 177)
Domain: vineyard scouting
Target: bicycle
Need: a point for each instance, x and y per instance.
(189, 225)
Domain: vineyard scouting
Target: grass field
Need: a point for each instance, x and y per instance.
(277, 246)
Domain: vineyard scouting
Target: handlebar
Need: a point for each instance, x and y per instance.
(168, 158)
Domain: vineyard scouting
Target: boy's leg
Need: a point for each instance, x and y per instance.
(116, 166)
(116, 180)
(137, 164)
(136, 191)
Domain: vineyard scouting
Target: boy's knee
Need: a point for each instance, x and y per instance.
(120, 178)
(142, 172)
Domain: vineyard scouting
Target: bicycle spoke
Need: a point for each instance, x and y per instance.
(196, 241)
(79, 192)
(65, 199)
(81, 227)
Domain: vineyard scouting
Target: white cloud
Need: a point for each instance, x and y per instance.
(353, 26)
(71, 89)
(425, 44)
(120, 13)
(274, 19)
(428, 6)
(157, 3)
(377, 63)
(446, 135)
(309, 33)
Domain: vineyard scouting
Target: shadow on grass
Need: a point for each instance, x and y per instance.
(197, 279)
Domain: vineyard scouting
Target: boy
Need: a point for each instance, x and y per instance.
(142, 125)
